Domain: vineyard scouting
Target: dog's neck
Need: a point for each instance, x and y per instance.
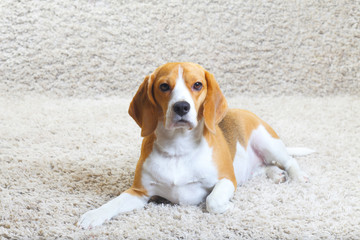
(178, 142)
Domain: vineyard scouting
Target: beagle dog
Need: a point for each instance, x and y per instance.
(195, 149)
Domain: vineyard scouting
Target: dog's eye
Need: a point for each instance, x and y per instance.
(164, 87)
(197, 86)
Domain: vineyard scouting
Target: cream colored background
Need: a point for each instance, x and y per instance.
(68, 70)
(85, 48)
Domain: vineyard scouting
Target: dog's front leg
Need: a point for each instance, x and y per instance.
(125, 202)
(218, 200)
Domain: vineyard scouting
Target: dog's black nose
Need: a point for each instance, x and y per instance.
(181, 108)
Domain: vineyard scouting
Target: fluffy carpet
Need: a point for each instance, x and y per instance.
(61, 157)
(68, 70)
(91, 47)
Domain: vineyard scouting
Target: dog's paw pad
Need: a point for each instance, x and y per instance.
(280, 177)
(276, 174)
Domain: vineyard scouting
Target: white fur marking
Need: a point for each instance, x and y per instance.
(245, 164)
(264, 149)
(219, 199)
(299, 151)
(180, 93)
(180, 167)
(123, 203)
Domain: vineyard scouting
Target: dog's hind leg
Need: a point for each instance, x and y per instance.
(273, 152)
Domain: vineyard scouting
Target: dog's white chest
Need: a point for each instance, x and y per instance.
(183, 179)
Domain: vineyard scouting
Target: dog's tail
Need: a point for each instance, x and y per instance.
(299, 151)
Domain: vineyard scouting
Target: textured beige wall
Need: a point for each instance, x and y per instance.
(86, 48)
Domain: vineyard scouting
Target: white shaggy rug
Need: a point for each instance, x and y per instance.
(68, 70)
(61, 157)
(90, 47)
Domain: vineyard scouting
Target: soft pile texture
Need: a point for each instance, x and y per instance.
(83, 48)
(61, 158)
(68, 70)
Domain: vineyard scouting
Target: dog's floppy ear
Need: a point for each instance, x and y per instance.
(143, 107)
(215, 105)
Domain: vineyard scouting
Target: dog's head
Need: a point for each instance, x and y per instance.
(179, 95)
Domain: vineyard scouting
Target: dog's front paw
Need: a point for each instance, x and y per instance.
(93, 218)
(216, 205)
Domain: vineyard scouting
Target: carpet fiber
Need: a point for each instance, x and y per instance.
(62, 157)
(68, 70)
(83, 48)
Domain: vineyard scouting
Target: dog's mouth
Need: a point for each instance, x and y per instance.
(175, 121)
(182, 123)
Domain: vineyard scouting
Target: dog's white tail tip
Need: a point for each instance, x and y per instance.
(299, 151)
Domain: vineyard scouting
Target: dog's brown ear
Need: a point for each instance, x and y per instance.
(215, 105)
(143, 107)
